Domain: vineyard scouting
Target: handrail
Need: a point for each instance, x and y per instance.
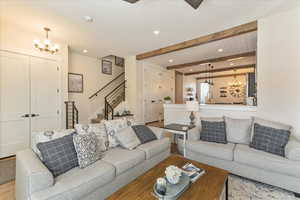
(96, 93)
(116, 88)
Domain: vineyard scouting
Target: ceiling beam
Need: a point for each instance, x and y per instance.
(221, 76)
(221, 69)
(211, 60)
(231, 32)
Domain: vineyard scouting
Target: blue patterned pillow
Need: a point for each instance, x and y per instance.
(59, 155)
(269, 139)
(144, 133)
(213, 131)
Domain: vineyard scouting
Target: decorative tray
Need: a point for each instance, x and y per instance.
(174, 191)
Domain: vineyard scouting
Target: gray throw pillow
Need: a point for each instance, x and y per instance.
(238, 130)
(144, 133)
(127, 138)
(213, 131)
(88, 149)
(59, 155)
(269, 139)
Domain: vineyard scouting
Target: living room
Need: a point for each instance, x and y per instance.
(173, 65)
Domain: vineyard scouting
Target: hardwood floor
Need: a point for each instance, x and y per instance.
(7, 191)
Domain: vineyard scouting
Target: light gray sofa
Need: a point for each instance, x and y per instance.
(117, 168)
(244, 161)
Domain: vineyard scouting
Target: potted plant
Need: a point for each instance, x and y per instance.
(168, 99)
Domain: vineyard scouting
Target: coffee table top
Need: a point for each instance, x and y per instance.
(209, 186)
(178, 127)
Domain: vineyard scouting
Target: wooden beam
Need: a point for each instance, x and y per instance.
(221, 76)
(231, 32)
(212, 60)
(224, 69)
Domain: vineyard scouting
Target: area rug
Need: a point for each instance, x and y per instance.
(244, 189)
(7, 170)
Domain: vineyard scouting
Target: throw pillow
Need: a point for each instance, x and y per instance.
(44, 136)
(269, 139)
(127, 138)
(144, 133)
(268, 123)
(59, 155)
(112, 128)
(213, 131)
(87, 148)
(292, 149)
(99, 129)
(238, 130)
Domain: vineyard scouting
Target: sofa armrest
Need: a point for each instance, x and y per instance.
(159, 132)
(31, 175)
(292, 149)
(194, 134)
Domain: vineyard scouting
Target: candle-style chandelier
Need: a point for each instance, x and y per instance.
(46, 45)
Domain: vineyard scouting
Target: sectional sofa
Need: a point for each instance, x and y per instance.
(240, 159)
(117, 168)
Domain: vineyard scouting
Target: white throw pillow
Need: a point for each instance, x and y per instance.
(112, 128)
(292, 149)
(268, 123)
(99, 129)
(127, 138)
(238, 130)
(40, 137)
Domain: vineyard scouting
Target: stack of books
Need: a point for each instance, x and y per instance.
(192, 171)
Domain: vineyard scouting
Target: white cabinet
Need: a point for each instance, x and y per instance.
(29, 99)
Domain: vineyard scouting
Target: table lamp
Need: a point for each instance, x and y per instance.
(192, 106)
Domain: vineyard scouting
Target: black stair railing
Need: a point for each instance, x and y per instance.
(113, 99)
(72, 114)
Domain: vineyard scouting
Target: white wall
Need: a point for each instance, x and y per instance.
(278, 71)
(93, 80)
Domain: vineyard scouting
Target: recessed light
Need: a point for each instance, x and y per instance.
(170, 60)
(231, 64)
(220, 50)
(191, 70)
(156, 32)
(88, 19)
(85, 51)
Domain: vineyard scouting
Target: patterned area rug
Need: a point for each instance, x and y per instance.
(244, 189)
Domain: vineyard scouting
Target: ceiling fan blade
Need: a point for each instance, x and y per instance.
(132, 1)
(194, 3)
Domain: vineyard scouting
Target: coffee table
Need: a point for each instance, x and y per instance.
(209, 186)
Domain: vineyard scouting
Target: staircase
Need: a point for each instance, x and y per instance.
(71, 114)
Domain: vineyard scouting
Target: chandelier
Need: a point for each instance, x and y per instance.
(236, 87)
(46, 45)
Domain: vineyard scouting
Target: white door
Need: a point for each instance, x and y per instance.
(14, 103)
(45, 95)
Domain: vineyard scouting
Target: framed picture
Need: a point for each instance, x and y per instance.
(107, 67)
(75, 83)
(119, 61)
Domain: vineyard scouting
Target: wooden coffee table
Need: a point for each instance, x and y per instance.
(208, 187)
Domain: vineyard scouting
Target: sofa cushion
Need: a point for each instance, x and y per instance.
(248, 156)
(238, 130)
(78, 183)
(144, 133)
(269, 139)
(123, 159)
(221, 151)
(155, 147)
(59, 155)
(213, 131)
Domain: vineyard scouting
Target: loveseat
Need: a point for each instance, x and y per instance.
(240, 159)
(115, 169)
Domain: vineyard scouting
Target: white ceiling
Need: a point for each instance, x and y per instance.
(123, 29)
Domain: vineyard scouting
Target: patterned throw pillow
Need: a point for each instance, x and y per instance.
(87, 148)
(112, 128)
(213, 131)
(99, 129)
(144, 133)
(269, 139)
(59, 155)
